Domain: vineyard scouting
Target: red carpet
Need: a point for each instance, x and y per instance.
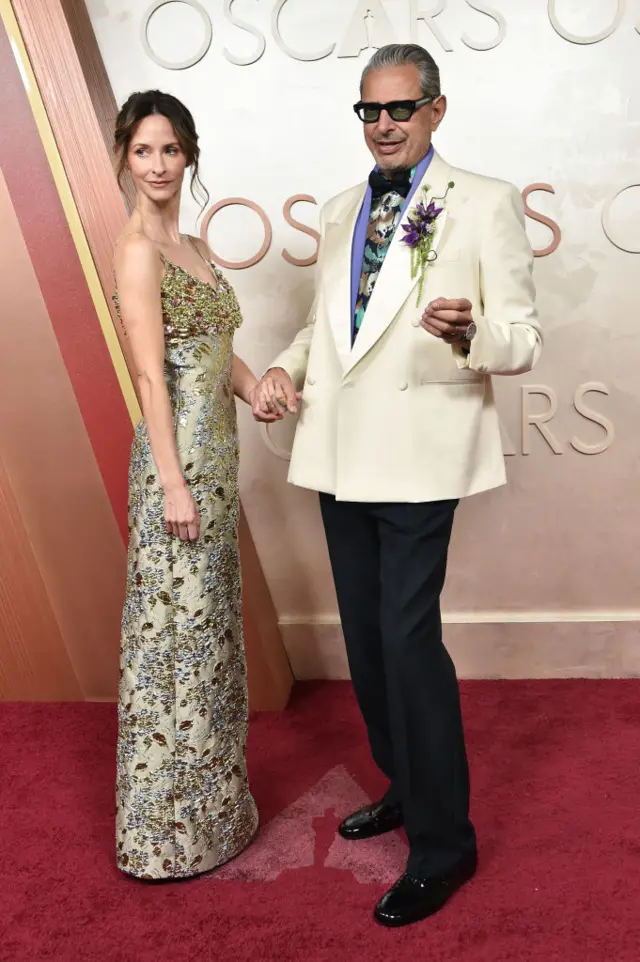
(555, 780)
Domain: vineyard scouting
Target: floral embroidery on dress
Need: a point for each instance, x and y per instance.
(183, 799)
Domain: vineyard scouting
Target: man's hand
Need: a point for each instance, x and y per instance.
(448, 319)
(274, 396)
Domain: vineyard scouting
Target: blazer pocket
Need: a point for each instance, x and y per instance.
(466, 376)
(461, 376)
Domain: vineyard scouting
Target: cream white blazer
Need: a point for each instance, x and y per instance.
(402, 416)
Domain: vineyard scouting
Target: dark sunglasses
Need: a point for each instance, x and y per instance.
(398, 110)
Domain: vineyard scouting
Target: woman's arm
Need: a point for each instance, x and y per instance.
(243, 379)
(139, 276)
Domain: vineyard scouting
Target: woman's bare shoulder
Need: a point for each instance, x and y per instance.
(133, 247)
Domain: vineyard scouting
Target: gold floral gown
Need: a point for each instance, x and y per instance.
(183, 799)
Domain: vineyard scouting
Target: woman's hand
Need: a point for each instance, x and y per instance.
(274, 396)
(181, 514)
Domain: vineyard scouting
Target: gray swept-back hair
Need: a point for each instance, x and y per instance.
(400, 54)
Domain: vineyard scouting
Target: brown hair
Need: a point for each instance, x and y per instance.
(141, 105)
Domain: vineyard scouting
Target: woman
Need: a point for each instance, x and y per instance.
(183, 800)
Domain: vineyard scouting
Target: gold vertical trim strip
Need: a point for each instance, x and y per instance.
(70, 210)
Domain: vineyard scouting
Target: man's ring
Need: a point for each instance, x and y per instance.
(282, 401)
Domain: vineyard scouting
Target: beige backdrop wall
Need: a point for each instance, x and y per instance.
(544, 575)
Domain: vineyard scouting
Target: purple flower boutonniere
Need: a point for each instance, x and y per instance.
(420, 231)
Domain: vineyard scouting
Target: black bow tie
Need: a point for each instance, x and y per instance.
(399, 182)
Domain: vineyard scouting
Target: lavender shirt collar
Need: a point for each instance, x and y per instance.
(360, 232)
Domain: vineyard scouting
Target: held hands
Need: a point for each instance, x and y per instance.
(448, 319)
(274, 396)
(181, 514)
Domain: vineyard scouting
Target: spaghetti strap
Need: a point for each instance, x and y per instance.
(133, 233)
(196, 248)
(210, 267)
(127, 233)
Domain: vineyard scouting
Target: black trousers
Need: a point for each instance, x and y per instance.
(389, 563)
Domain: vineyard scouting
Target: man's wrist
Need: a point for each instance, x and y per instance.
(270, 371)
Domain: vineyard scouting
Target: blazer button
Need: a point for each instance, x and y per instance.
(417, 321)
(311, 380)
(403, 385)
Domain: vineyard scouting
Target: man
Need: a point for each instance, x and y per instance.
(397, 423)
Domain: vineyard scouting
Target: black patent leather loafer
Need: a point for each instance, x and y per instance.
(372, 820)
(412, 899)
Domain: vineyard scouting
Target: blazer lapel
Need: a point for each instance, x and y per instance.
(336, 272)
(395, 284)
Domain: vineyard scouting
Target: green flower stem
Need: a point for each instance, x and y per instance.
(420, 253)
(420, 261)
